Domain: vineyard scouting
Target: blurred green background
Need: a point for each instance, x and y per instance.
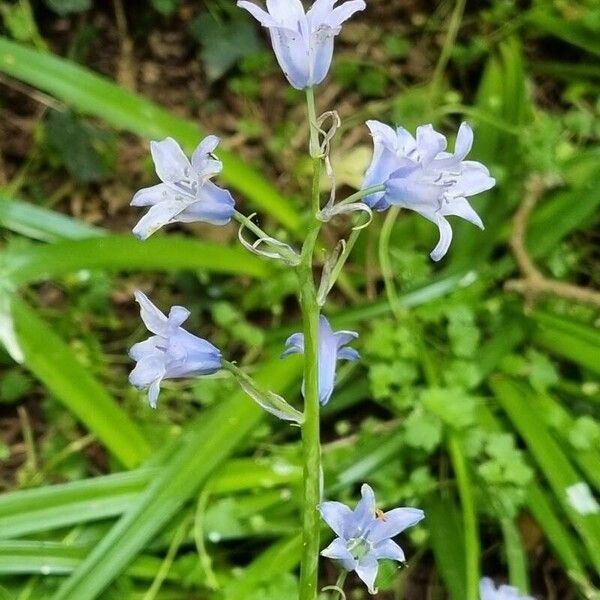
(476, 402)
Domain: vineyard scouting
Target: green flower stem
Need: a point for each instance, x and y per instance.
(249, 224)
(338, 588)
(363, 193)
(467, 500)
(311, 444)
(515, 555)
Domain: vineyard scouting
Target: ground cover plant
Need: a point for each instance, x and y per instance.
(474, 404)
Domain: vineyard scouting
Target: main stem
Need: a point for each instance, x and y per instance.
(311, 444)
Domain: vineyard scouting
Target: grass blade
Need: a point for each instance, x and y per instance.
(556, 467)
(96, 95)
(55, 365)
(203, 447)
(125, 253)
(42, 224)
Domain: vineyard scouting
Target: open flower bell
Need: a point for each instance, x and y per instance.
(332, 347)
(365, 534)
(303, 41)
(186, 194)
(171, 352)
(420, 175)
(488, 591)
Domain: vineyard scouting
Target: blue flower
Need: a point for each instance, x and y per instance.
(331, 349)
(171, 352)
(365, 534)
(420, 175)
(186, 194)
(303, 41)
(488, 591)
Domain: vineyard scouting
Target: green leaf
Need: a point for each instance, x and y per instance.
(95, 95)
(552, 461)
(87, 152)
(166, 7)
(203, 447)
(64, 7)
(56, 366)
(125, 253)
(225, 40)
(42, 224)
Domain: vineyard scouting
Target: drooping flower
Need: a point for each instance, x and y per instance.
(488, 591)
(303, 41)
(186, 194)
(331, 349)
(171, 352)
(365, 534)
(420, 175)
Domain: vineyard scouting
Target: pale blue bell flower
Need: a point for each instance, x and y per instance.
(488, 591)
(420, 175)
(186, 194)
(332, 347)
(170, 353)
(303, 41)
(365, 534)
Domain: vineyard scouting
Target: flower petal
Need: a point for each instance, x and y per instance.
(445, 239)
(177, 316)
(390, 550)
(342, 13)
(321, 53)
(337, 550)
(151, 195)
(262, 16)
(337, 516)
(429, 143)
(158, 216)
(460, 207)
(348, 354)
(292, 53)
(327, 360)
(364, 513)
(153, 318)
(146, 348)
(393, 522)
(170, 162)
(147, 370)
(367, 570)
(214, 205)
(294, 345)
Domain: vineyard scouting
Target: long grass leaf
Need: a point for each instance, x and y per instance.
(56, 366)
(204, 446)
(125, 253)
(42, 224)
(552, 461)
(96, 95)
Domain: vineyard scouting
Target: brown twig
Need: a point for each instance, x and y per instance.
(533, 283)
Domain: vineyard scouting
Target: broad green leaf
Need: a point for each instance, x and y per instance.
(57, 367)
(125, 253)
(206, 443)
(92, 94)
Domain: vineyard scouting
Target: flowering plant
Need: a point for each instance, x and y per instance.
(416, 173)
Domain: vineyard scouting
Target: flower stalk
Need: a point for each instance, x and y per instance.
(311, 439)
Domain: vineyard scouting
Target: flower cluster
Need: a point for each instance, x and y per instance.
(418, 174)
(412, 172)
